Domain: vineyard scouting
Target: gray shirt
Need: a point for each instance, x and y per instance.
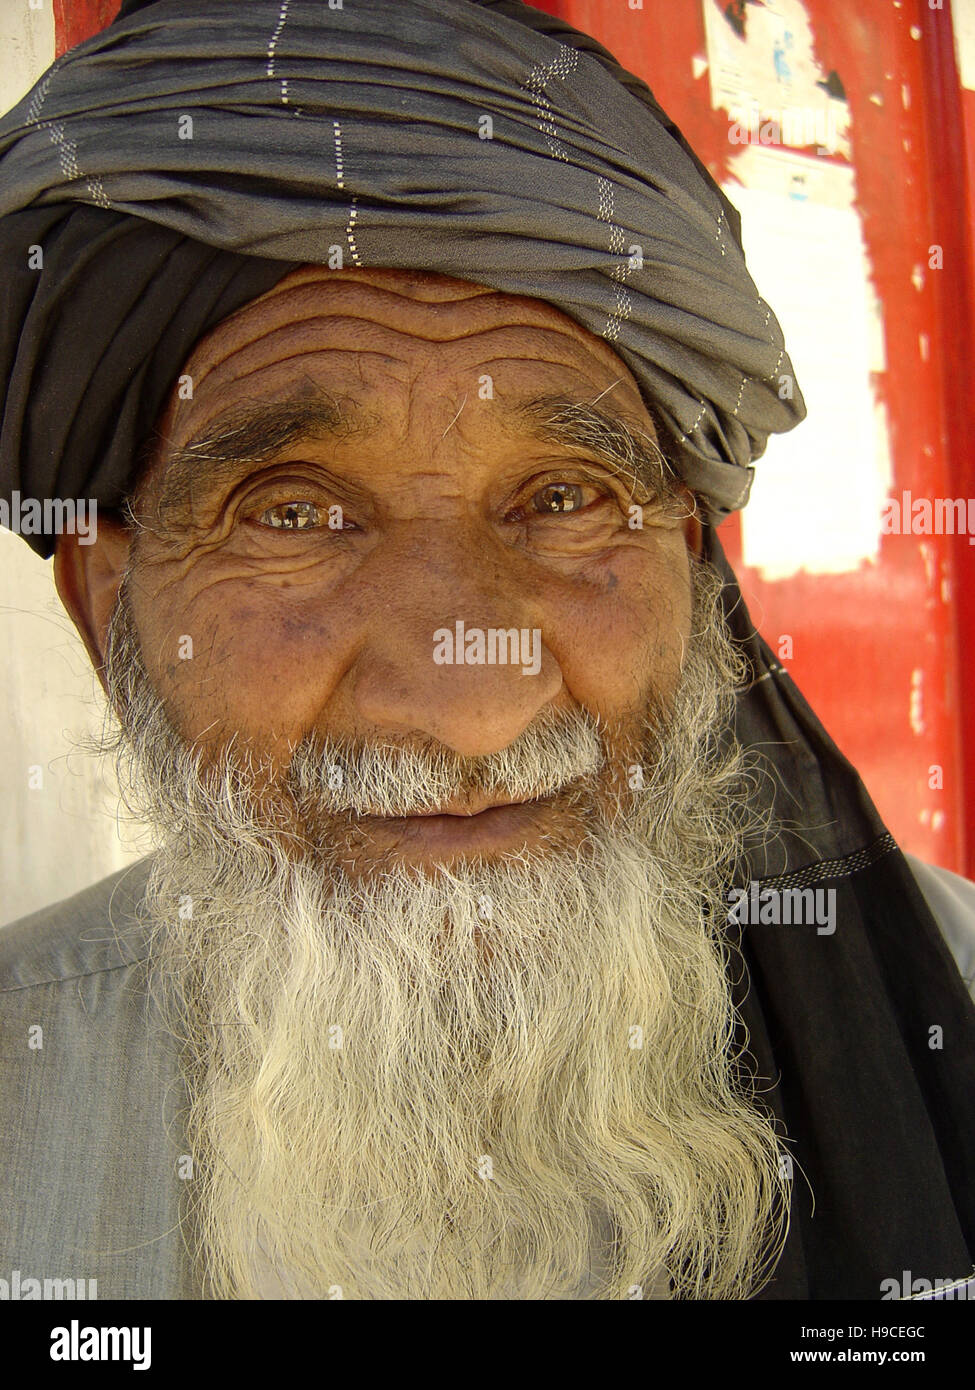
(92, 1156)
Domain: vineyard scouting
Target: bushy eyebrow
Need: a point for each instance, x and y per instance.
(634, 454)
(237, 440)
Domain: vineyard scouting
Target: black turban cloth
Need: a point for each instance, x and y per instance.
(358, 129)
(304, 116)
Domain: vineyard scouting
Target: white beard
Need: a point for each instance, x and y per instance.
(505, 1079)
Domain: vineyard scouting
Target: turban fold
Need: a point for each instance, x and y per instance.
(178, 164)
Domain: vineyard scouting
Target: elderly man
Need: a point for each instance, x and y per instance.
(515, 930)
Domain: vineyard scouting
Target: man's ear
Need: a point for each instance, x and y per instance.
(88, 577)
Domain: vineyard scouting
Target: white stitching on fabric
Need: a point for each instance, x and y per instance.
(272, 45)
(66, 150)
(353, 206)
(350, 230)
(776, 367)
(536, 82)
(39, 97)
(338, 155)
(700, 416)
(834, 868)
(68, 159)
(741, 388)
(768, 315)
(98, 192)
(742, 496)
(617, 242)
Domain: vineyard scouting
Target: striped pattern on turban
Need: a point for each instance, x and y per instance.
(486, 141)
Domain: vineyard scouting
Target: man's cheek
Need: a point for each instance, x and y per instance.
(253, 672)
(624, 643)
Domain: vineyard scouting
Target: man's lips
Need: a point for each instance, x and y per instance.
(495, 826)
(466, 808)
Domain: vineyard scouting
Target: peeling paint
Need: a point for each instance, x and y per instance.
(817, 462)
(26, 42)
(915, 712)
(765, 69)
(963, 22)
(930, 559)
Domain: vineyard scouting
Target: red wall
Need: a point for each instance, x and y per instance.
(75, 20)
(858, 637)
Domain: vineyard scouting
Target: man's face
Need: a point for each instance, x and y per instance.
(423, 409)
(436, 1055)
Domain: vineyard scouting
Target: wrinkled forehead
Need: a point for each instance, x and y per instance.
(353, 323)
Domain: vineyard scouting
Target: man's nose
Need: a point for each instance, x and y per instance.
(450, 655)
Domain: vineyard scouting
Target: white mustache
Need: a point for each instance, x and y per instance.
(559, 749)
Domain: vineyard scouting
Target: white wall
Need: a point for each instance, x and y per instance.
(61, 835)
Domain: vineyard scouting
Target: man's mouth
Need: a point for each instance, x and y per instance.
(501, 825)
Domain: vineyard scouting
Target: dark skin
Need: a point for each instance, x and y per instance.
(316, 629)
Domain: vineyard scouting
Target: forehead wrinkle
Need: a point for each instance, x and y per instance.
(341, 312)
(313, 352)
(239, 348)
(544, 320)
(374, 284)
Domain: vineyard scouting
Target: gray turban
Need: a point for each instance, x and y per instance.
(178, 164)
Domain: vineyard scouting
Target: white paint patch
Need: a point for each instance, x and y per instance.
(818, 494)
(963, 20)
(915, 709)
(946, 589)
(27, 45)
(930, 559)
(699, 65)
(774, 69)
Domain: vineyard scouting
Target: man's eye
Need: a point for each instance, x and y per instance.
(558, 497)
(292, 516)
